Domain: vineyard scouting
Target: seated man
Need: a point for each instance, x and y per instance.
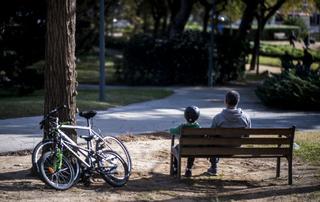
(230, 117)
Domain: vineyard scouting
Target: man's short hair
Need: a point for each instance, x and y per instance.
(232, 98)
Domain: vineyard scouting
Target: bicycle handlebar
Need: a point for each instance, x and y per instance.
(50, 114)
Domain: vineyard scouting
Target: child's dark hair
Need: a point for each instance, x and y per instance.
(191, 114)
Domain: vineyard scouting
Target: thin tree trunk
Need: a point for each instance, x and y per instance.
(164, 23)
(156, 26)
(206, 18)
(60, 73)
(256, 46)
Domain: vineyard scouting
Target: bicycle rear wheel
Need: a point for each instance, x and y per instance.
(113, 168)
(116, 145)
(61, 179)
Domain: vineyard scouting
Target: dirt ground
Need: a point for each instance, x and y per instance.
(237, 180)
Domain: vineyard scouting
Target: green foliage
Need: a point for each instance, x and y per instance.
(180, 60)
(290, 91)
(279, 50)
(118, 43)
(296, 21)
(21, 44)
(231, 58)
(270, 31)
(309, 143)
(309, 151)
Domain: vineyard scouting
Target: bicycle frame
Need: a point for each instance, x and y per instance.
(68, 143)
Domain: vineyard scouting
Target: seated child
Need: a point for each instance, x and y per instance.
(191, 114)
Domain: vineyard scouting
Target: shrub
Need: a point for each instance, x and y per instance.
(271, 50)
(288, 90)
(231, 59)
(118, 43)
(297, 21)
(268, 32)
(180, 60)
(22, 43)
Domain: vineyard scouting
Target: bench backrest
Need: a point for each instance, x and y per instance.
(225, 142)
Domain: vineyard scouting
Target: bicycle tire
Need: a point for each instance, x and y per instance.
(121, 149)
(115, 175)
(66, 170)
(37, 154)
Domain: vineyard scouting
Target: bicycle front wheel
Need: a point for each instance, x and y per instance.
(61, 179)
(116, 145)
(113, 168)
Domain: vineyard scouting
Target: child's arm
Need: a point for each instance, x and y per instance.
(175, 131)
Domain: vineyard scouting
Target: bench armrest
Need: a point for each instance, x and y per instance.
(173, 136)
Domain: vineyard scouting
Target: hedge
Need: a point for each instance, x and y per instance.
(289, 91)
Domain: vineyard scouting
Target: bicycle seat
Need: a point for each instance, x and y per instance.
(88, 114)
(87, 138)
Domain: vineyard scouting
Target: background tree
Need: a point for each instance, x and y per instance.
(317, 2)
(180, 19)
(60, 73)
(265, 10)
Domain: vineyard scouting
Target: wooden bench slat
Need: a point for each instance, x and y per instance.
(187, 141)
(185, 151)
(238, 131)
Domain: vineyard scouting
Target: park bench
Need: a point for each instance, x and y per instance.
(225, 143)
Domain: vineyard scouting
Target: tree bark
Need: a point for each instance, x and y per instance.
(179, 21)
(60, 73)
(247, 19)
(206, 18)
(256, 46)
(264, 14)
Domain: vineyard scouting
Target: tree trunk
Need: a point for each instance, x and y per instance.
(247, 19)
(60, 74)
(256, 46)
(164, 23)
(262, 18)
(179, 21)
(206, 18)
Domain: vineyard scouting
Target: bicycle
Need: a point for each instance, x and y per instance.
(62, 158)
(113, 143)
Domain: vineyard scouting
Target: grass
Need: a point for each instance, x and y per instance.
(13, 106)
(88, 69)
(309, 143)
(276, 62)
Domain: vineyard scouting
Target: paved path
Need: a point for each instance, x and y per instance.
(160, 115)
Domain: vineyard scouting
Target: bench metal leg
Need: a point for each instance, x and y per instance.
(179, 168)
(290, 170)
(278, 167)
(171, 164)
